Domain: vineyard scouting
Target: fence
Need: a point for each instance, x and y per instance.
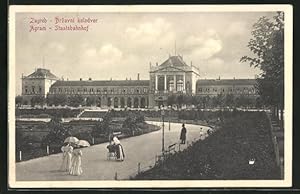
(276, 146)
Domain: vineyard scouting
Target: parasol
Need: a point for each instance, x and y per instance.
(71, 139)
(83, 143)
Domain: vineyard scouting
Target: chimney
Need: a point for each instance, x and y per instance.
(191, 63)
(150, 64)
(156, 63)
(90, 79)
(234, 78)
(129, 78)
(111, 79)
(80, 79)
(219, 78)
(138, 76)
(126, 78)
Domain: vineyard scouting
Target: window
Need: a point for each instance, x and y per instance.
(137, 91)
(26, 91)
(33, 89)
(91, 89)
(98, 90)
(132, 90)
(145, 90)
(200, 89)
(124, 91)
(105, 90)
(66, 90)
(40, 89)
(84, 89)
(59, 90)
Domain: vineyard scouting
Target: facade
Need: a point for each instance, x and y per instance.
(236, 87)
(172, 77)
(111, 93)
(37, 84)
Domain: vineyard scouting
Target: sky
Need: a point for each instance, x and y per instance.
(120, 45)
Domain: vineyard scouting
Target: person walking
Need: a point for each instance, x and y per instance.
(76, 168)
(67, 157)
(119, 149)
(183, 134)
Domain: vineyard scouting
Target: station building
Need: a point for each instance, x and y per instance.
(172, 77)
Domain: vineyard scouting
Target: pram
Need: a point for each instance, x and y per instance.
(111, 155)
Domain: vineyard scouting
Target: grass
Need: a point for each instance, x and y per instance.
(225, 154)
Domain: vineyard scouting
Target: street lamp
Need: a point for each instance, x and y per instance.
(163, 131)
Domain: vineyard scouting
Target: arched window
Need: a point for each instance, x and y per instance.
(180, 85)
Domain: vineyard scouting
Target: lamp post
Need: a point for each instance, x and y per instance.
(163, 131)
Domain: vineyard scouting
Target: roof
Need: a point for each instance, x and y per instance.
(226, 82)
(174, 61)
(103, 83)
(42, 73)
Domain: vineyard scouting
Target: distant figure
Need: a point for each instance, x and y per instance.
(119, 149)
(67, 157)
(183, 134)
(76, 168)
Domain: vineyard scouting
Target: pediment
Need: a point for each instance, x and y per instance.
(170, 69)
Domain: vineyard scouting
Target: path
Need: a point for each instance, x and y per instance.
(139, 149)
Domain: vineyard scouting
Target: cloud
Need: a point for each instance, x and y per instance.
(106, 55)
(203, 45)
(159, 31)
(237, 28)
(55, 47)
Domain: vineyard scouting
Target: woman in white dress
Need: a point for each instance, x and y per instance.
(76, 168)
(67, 157)
(119, 149)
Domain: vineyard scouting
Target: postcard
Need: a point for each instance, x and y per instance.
(150, 96)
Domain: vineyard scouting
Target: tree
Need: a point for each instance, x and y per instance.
(75, 100)
(103, 127)
(19, 100)
(37, 100)
(229, 100)
(91, 100)
(57, 133)
(267, 44)
(179, 100)
(171, 100)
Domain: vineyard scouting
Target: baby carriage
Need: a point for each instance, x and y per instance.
(111, 155)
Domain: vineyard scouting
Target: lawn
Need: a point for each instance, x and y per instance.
(225, 154)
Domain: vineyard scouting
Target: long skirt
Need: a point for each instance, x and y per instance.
(120, 152)
(76, 166)
(67, 162)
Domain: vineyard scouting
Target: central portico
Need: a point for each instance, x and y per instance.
(173, 76)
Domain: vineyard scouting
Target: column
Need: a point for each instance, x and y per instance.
(183, 83)
(156, 82)
(175, 84)
(165, 88)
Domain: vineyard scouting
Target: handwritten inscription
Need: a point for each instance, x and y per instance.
(61, 24)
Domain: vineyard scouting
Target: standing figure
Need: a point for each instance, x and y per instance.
(67, 157)
(183, 134)
(76, 162)
(119, 149)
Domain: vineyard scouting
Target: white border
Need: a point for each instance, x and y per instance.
(288, 48)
